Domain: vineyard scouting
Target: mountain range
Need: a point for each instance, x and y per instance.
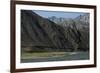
(60, 34)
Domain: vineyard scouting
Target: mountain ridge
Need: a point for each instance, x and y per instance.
(36, 31)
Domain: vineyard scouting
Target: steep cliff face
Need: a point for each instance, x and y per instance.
(79, 24)
(38, 33)
(82, 23)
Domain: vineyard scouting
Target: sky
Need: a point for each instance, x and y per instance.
(47, 14)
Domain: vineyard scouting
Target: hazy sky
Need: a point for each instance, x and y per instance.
(58, 14)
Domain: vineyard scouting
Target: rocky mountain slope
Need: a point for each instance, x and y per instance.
(42, 34)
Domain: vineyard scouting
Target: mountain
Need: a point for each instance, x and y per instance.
(81, 23)
(42, 34)
(83, 18)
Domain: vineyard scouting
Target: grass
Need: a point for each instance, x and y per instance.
(42, 54)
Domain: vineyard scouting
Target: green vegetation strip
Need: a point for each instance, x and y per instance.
(27, 55)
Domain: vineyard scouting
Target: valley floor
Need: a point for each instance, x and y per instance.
(53, 56)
